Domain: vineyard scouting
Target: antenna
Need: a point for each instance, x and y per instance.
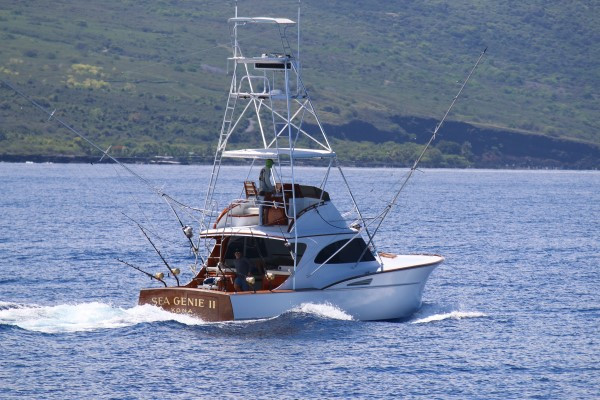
(235, 43)
(298, 54)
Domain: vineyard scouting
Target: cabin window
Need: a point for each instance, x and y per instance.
(268, 252)
(349, 254)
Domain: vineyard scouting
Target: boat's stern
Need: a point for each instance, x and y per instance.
(205, 304)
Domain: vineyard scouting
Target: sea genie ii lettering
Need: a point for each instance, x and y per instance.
(184, 301)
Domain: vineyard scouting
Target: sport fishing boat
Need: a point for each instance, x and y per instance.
(293, 245)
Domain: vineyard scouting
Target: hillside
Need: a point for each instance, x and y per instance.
(151, 77)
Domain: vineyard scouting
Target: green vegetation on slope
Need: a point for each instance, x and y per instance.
(151, 77)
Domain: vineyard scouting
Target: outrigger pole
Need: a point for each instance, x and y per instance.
(418, 160)
(298, 52)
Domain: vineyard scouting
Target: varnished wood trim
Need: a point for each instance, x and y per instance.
(207, 305)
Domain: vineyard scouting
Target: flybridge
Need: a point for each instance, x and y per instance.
(267, 99)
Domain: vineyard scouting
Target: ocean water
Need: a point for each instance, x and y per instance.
(513, 313)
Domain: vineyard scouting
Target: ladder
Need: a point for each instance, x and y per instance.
(223, 136)
(217, 252)
(279, 105)
(285, 43)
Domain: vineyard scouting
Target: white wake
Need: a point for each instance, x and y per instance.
(324, 310)
(84, 317)
(451, 315)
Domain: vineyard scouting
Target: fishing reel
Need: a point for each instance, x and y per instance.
(211, 283)
(188, 231)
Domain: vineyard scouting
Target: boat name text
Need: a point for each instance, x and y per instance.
(184, 301)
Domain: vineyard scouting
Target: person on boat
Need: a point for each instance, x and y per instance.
(242, 269)
(265, 185)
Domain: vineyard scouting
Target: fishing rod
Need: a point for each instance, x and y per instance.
(175, 271)
(387, 209)
(157, 276)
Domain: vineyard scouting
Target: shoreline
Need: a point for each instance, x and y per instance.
(162, 160)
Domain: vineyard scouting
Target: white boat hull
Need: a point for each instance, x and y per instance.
(389, 294)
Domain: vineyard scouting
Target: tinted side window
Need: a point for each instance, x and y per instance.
(279, 254)
(348, 254)
(269, 251)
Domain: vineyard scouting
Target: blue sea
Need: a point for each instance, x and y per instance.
(513, 312)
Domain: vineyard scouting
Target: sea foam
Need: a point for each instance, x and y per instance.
(84, 317)
(324, 310)
(450, 315)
